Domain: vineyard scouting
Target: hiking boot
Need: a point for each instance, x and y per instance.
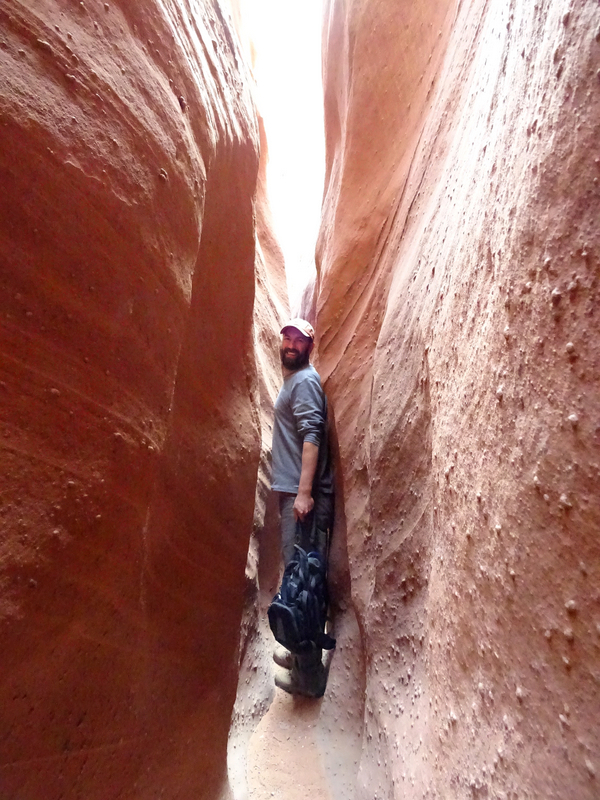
(309, 682)
(282, 657)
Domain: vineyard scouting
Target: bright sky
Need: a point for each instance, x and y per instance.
(287, 40)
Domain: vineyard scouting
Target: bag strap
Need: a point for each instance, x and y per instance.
(304, 528)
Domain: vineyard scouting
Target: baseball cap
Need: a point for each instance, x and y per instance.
(305, 328)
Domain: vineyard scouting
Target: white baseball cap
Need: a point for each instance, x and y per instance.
(305, 328)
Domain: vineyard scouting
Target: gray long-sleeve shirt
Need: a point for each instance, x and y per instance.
(300, 416)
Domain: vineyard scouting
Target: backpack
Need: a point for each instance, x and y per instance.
(298, 612)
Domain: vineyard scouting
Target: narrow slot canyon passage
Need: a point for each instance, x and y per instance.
(411, 708)
(450, 267)
(283, 746)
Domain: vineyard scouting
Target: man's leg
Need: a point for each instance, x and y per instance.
(288, 525)
(281, 656)
(307, 675)
(323, 524)
(314, 531)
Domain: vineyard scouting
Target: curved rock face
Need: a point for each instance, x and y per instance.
(255, 682)
(129, 404)
(457, 305)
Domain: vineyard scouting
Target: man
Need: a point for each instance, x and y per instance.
(302, 477)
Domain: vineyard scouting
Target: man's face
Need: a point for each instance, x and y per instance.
(295, 349)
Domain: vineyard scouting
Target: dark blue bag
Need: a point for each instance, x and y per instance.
(298, 612)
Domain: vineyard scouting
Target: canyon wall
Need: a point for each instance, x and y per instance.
(255, 682)
(129, 401)
(457, 305)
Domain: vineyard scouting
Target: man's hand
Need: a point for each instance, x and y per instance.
(303, 505)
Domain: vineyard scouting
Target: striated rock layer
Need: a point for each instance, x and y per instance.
(457, 305)
(129, 418)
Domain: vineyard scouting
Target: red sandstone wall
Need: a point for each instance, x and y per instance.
(255, 683)
(130, 436)
(457, 303)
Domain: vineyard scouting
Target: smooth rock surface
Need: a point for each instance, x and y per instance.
(130, 438)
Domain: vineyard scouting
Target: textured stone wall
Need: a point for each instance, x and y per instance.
(457, 309)
(129, 426)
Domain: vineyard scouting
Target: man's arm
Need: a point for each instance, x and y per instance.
(304, 502)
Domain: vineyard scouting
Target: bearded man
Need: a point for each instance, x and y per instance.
(303, 479)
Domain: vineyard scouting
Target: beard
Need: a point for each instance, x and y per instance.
(293, 359)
